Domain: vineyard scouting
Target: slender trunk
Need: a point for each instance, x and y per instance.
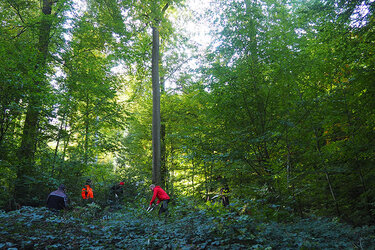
(192, 175)
(327, 175)
(163, 152)
(290, 183)
(4, 125)
(66, 142)
(65, 147)
(163, 149)
(332, 193)
(206, 182)
(288, 159)
(3, 129)
(172, 168)
(87, 129)
(211, 177)
(57, 144)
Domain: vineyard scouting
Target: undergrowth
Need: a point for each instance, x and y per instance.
(188, 227)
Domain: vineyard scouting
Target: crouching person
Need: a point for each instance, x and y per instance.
(163, 198)
(58, 200)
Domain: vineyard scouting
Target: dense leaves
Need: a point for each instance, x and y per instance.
(187, 228)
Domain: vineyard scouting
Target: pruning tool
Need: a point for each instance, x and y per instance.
(150, 208)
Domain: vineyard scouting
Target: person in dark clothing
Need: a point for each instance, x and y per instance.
(117, 192)
(224, 195)
(118, 189)
(58, 199)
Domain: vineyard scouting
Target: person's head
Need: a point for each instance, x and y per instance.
(88, 182)
(152, 186)
(62, 187)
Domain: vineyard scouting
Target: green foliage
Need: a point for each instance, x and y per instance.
(285, 104)
(133, 227)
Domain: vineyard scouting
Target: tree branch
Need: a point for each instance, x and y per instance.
(165, 8)
(15, 7)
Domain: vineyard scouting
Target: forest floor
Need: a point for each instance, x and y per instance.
(186, 228)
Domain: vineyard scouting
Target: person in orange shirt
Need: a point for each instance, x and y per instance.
(87, 192)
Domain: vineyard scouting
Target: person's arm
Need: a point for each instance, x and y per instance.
(84, 193)
(153, 198)
(66, 201)
(48, 199)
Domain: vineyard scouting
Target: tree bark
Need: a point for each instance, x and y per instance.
(59, 135)
(156, 176)
(87, 127)
(163, 146)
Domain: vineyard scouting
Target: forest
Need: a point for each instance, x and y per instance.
(273, 100)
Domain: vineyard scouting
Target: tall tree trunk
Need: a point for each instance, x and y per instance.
(26, 151)
(163, 150)
(192, 175)
(155, 108)
(290, 183)
(58, 139)
(206, 184)
(163, 157)
(66, 141)
(5, 122)
(172, 168)
(156, 119)
(87, 124)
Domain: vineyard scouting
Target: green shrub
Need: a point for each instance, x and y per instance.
(189, 227)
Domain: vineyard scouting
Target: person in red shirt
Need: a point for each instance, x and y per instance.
(162, 196)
